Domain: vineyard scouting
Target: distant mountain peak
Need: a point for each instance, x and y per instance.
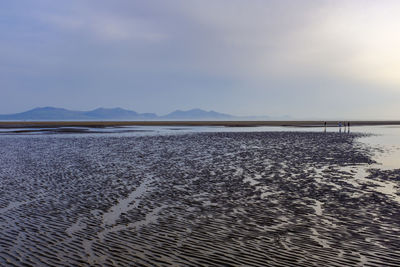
(197, 114)
(110, 109)
(53, 113)
(47, 108)
(117, 113)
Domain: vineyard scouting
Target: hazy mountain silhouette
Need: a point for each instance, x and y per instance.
(52, 113)
(45, 113)
(196, 114)
(118, 113)
(60, 114)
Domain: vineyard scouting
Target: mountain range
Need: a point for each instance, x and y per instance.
(52, 114)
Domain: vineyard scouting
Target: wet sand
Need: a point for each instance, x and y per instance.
(199, 199)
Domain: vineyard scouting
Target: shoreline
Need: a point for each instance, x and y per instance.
(102, 124)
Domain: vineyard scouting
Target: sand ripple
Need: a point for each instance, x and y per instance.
(232, 199)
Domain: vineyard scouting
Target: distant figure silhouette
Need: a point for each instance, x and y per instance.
(325, 127)
(340, 126)
(348, 127)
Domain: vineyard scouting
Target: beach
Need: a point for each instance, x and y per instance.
(197, 199)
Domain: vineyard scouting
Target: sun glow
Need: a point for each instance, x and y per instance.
(369, 41)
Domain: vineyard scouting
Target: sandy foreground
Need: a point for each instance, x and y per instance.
(199, 199)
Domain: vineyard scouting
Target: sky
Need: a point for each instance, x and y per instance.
(306, 59)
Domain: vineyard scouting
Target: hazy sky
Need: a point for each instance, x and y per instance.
(322, 59)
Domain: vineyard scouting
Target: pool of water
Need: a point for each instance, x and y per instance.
(387, 138)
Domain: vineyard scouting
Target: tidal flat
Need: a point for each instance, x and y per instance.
(197, 199)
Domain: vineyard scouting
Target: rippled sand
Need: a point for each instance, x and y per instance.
(233, 199)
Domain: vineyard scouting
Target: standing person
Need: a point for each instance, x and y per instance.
(348, 127)
(340, 126)
(325, 127)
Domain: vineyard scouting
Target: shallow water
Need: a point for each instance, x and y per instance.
(387, 138)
